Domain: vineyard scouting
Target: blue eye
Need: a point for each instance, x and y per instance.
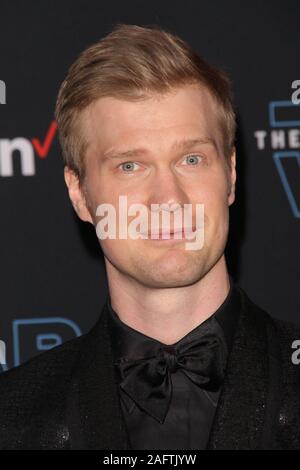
(192, 160)
(127, 166)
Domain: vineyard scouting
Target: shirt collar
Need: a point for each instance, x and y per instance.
(128, 342)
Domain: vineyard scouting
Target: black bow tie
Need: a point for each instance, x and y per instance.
(147, 380)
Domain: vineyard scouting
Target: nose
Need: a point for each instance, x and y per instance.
(167, 192)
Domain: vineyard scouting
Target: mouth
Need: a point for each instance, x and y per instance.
(174, 235)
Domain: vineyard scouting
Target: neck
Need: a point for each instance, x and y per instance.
(167, 314)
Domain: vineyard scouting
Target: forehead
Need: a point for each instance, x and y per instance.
(189, 111)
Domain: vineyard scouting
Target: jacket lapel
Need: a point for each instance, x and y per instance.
(97, 421)
(247, 407)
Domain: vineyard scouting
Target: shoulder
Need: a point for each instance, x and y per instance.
(36, 396)
(283, 338)
(33, 398)
(288, 331)
(289, 343)
(40, 379)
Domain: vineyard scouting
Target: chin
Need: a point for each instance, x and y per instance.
(165, 282)
(164, 276)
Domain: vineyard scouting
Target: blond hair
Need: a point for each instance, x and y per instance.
(130, 63)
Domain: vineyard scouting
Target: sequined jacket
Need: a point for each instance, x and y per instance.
(67, 398)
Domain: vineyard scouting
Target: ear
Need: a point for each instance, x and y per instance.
(232, 178)
(76, 195)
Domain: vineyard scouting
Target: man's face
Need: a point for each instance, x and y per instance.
(159, 171)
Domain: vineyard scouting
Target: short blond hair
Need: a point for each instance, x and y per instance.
(132, 62)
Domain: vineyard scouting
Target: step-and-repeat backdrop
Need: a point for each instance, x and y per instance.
(52, 274)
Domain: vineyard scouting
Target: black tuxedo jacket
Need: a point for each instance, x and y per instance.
(67, 398)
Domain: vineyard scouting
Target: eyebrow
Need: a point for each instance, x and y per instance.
(177, 145)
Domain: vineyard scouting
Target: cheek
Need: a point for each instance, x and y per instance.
(213, 195)
(216, 215)
(99, 184)
(116, 251)
(218, 220)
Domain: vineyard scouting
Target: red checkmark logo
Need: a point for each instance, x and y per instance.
(42, 148)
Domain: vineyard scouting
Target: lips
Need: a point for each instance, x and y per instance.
(165, 235)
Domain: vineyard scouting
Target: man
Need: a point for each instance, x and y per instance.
(180, 358)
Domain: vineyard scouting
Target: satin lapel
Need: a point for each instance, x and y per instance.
(95, 395)
(241, 418)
